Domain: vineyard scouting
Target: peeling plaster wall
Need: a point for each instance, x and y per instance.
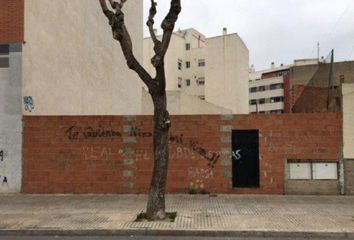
(11, 122)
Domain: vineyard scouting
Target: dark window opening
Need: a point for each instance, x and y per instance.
(262, 101)
(188, 64)
(201, 63)
(4, 49)
(179, 64)
(253, 102)
(188, 82)
(276, 99)
(188, 46)
(253, 89)
(261, 88)
(276, 86)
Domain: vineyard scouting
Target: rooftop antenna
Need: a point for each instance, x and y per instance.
(318, 50)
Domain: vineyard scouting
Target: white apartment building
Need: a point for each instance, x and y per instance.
(268, 88)
(213, 70)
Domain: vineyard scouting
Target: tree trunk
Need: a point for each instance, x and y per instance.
(156, 202)
(157, 88)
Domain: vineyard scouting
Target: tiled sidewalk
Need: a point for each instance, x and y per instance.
(196, 213)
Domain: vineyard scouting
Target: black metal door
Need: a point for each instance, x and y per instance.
(245, 158)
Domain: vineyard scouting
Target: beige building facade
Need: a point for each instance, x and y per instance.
(181, 102)
(348, 119)
(348, 137)
(72, 65)
(214, 70)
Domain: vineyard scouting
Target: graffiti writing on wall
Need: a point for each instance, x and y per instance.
(212, 157)
(194, 145)
(29, 103)
(236, 155)
(4, 181)
(136, 132)
(75, 133)
(198, 177)
(203, 173)
(105, 154)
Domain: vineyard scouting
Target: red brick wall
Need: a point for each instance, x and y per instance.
(69, 155)
(307, 99)
(11, 21)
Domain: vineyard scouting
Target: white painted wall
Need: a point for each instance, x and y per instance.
(227, 73)
(180, 103)
(348, 120)
(72, 65)
(11, 126)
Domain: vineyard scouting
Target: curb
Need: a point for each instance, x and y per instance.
(176, 233)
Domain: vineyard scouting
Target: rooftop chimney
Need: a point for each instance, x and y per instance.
(224, 31)
(155, 31)
(272, 65)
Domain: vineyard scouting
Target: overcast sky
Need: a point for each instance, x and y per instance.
(274, 30)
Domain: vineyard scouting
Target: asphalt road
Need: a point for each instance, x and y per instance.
(144, 238)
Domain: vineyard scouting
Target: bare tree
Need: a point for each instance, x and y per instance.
(157, 89)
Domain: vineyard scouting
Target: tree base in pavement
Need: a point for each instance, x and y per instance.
(170, 217)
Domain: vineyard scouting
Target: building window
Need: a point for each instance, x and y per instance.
(202, 97)
(262, 101)
(201, 63)
(188, 82)
(201, 81)
(188, 64)
(179, 64)
(276, 99)
(253, 89)
(261, 88)
(179, 82)
(253, 102)
(188, 46)
(276, 86)
(4, 49)
(4, 53)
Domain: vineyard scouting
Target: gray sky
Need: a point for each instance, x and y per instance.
(274, 30)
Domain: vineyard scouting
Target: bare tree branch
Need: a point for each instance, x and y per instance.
(160, 48)
(121, 34)
(168, 24)
(150, 24)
